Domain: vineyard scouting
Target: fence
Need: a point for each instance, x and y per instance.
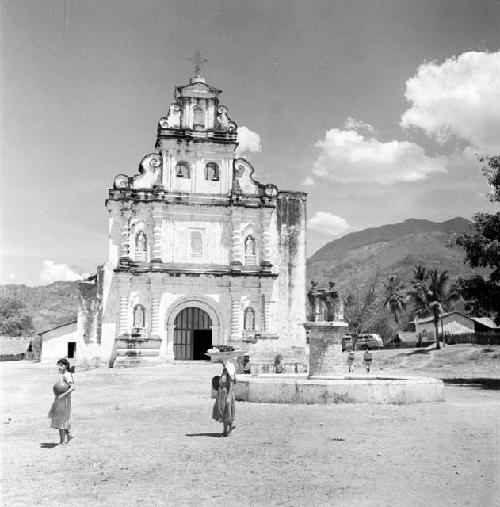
(475, 338)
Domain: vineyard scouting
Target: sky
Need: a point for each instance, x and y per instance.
(376, 108)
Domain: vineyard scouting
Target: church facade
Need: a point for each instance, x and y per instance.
(201, 254)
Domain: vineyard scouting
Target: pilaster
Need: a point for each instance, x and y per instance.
(157, 216)
(124, 294)
(236, 242)
(125, 214)
(235, 316)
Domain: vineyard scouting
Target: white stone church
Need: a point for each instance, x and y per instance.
(200, 253)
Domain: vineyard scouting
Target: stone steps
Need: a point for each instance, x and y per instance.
(131, 361)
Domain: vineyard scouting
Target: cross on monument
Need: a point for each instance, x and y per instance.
(198, 62)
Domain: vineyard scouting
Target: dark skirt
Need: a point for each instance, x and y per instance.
(224, 407)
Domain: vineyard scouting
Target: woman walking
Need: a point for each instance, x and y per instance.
(60, 412)
(225, 404)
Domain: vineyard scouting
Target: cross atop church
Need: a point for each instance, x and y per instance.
(198, 62)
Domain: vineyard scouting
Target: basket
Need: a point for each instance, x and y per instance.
(230, 354)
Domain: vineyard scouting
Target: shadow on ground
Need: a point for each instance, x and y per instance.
(218, 435)
(481, 383)
(48, 445)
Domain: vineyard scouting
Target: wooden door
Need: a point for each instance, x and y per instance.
(186, 323)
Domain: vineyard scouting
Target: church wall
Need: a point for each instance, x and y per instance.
(290, 290)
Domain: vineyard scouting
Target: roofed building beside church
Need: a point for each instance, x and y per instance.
(200, 253)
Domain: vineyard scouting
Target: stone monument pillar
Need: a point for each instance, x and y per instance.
(325, 331)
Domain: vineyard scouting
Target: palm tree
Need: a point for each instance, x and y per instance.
(439, 295)
(394, 297)
(419, 293)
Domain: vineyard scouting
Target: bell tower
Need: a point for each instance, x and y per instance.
(197, 140)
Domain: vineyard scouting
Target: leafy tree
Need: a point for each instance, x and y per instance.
(361, 304)
(482, 250)
(394, 297)
(15, 320)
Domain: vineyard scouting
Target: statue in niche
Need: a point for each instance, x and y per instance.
(249, 246)
(249, 320)
(141, 242)
(139, 316)
(173, 118)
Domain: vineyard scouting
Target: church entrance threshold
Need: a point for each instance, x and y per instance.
(192, 334)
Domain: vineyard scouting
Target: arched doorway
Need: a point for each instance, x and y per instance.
(192, 334)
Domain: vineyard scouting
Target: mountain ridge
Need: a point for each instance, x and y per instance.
(391, 249)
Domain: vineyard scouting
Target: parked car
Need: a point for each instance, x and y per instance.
(368, 341)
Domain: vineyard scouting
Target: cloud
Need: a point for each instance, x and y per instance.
(358, 125)
(248, 141)
(459, 97)
(308, 182)
(328, 224)
(348, 156)
(53, 272)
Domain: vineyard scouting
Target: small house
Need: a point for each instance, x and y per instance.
(59, 342)
(14, 348)
(453, 323)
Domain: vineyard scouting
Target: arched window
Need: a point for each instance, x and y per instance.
(196, 243)
(212, 172)
(249, 245)
(249, 320)
(141, 246)
(182, 170)
(139, 316)
(198, 117)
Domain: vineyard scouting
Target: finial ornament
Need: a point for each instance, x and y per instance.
(198, 62)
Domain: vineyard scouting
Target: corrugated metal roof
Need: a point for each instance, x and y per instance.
(485, 321)
(13, 344)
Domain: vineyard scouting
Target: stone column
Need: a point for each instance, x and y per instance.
(236, 243)
(267, 311)
(155, 310)
(235, 317)
(265, 260)
(157, 215)
(124, 293)
(125, 214)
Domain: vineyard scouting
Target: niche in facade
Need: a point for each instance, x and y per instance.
(182, 170)
(212, 172)
(141, 247)
(198, 117)
(249, 319)
(196, 244)
(250, 257)
(139, 316)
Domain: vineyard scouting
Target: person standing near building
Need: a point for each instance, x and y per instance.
(60, 412)
(225, 403)
(367, 360)
(350, 361)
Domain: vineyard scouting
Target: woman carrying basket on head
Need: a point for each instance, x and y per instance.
(224, 407)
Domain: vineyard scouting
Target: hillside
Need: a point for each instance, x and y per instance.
(50, 306)
(390, 249)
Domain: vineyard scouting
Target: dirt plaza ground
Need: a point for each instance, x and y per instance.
(144, 436)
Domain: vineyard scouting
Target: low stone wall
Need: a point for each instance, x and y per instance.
(346, 389)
